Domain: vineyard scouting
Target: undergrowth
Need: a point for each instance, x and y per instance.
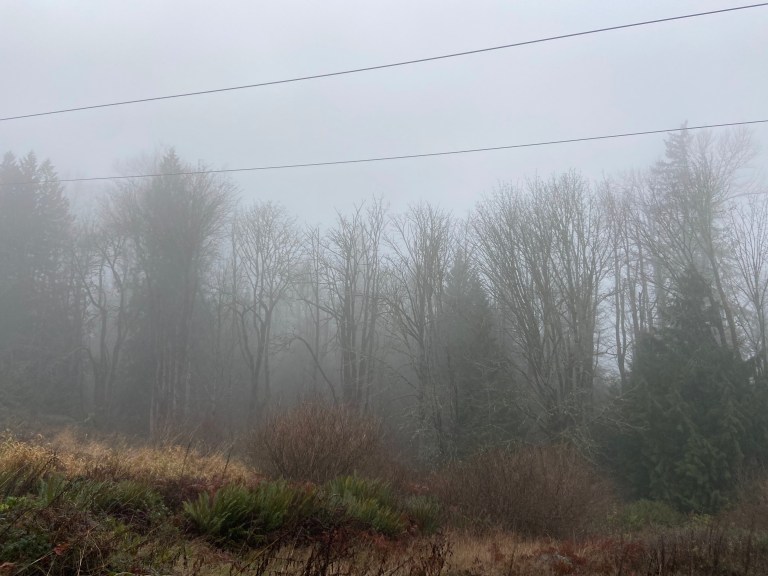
(87, 508)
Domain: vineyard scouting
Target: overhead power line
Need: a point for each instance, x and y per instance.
(401, 156)
(384, 66)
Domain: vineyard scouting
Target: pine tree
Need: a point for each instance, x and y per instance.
(39, 317)
(174, 223)
(478, 397)
(686, 407)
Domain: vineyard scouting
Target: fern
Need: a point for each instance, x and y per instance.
(424, 511)
(370, 503)
(225, 516)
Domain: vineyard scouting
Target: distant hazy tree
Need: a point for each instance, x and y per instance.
(225, 398)
(39, 308)
(420, 247)
(749, 242)
(479, 401)
(748, 235)
(265, 257)
(350, 278)
(310, 291)
(685, 204)
(175, 222)
(102, 263)
(545, 253)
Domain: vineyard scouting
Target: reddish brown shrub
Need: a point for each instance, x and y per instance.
(750, 511)
(550, 490)
(317, 442)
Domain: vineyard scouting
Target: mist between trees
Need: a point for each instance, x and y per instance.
(627, 316)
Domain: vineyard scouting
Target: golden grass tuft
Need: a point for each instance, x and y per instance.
(119, 459)
(23, 464)
(15, 454)
(491, 554)
(76, 455)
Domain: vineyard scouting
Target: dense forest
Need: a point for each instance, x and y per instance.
(626, 316)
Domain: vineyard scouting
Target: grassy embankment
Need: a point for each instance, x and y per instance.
(72, 505)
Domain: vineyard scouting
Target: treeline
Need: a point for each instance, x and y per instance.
(627, 316)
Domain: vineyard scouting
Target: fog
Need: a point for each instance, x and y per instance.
(610, 295)
(704, 70)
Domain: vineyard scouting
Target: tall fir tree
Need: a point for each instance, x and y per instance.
(478, 397)
(686, 407)
(40, 336)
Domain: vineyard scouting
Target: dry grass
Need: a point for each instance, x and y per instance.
(489, 554)
(15, 454)
(82, 456)
(494, 554)
(340, 555)
(178, 473)
(703, 550)
(22, 465)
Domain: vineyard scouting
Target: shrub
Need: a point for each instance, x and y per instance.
(18, 540)
(549, 490)
(643, 514)
(130, 500)
(317, 442)
(64, 539)
(751, 508)
(125, 499)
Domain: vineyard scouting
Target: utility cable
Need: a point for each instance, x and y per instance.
(384, 66)
(399, 157)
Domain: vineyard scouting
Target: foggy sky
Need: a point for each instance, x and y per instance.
(62, 54)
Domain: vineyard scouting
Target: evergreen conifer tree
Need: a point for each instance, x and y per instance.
(686, 407)
(478, 395)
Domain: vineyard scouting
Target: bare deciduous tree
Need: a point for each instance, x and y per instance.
(633, 292)
(421, 246)
(315, 321)
(545, 254)
(350, 278)
(749, 232)
(266, 249)
(102, 263)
